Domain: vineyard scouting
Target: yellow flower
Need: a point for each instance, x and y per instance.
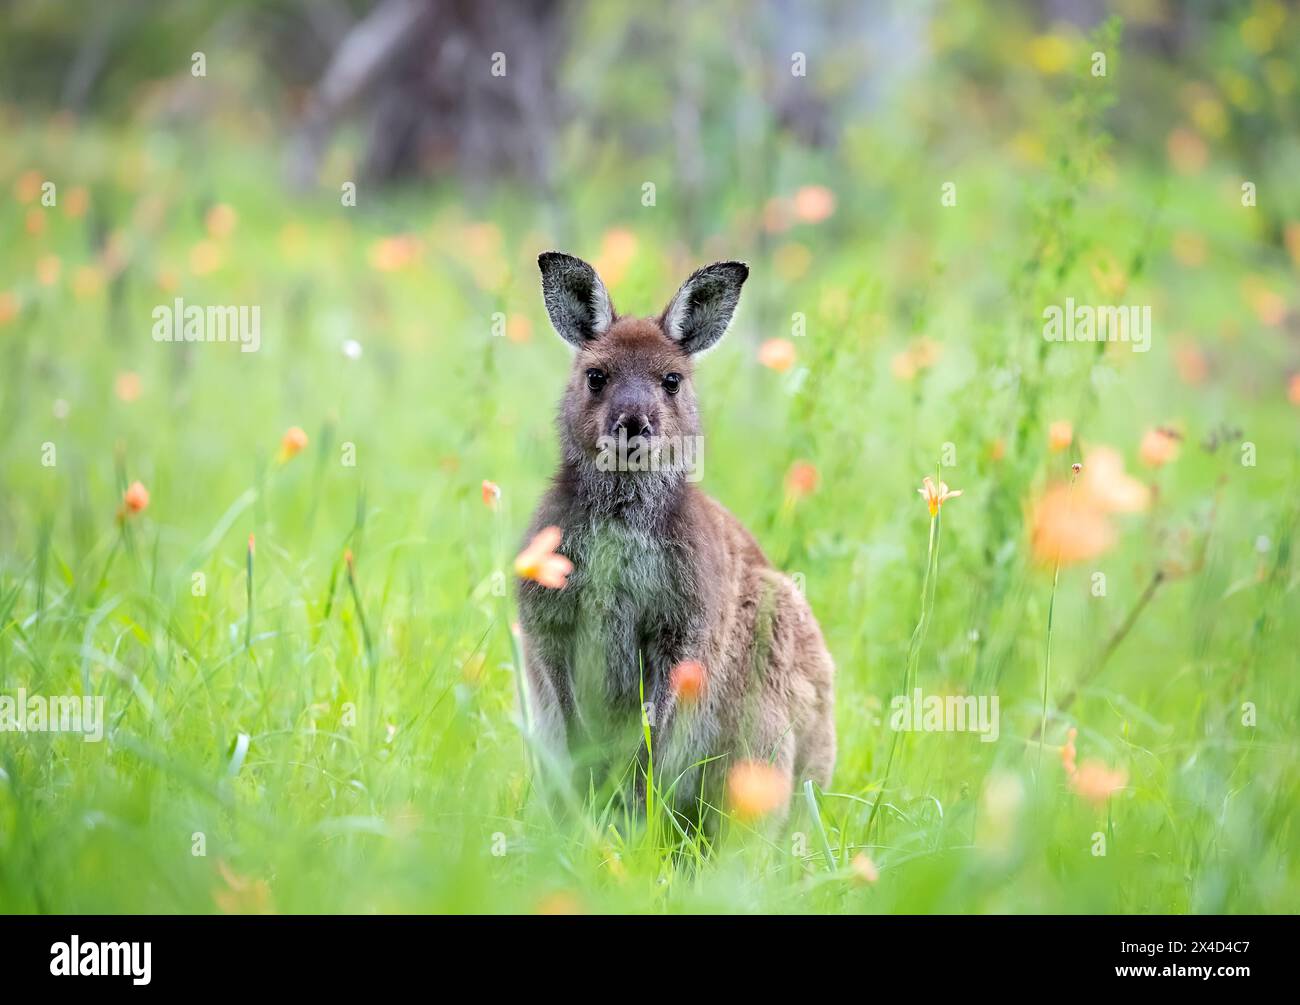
(936, 497)
(541, 563)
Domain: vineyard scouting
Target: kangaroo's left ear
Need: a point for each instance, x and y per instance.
(700, 312)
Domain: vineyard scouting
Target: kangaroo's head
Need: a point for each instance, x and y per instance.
(631, 386)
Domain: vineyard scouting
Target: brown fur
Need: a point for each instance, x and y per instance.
(662, 574)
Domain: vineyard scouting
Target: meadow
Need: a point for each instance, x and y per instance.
(304, 639)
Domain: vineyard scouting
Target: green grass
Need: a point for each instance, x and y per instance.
(363, 753)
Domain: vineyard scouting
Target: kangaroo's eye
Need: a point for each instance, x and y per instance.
(672, 382)
(595, 380)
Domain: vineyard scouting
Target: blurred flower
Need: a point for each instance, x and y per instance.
(997, 449)
(1292, 236)
(126, 385)
(1292, 388)
(134, 500)
(1065, 529)
(205, 258)
(1050, 54)
(1190, 248)
(777, 354)
(755, 789)
(791, 260)
(28, 185)
(936, 497)
(76, 202)
(351, 348)
(1096, 783)
(1106, 486)
(1187, 151)
(1159, 446)
(8, 307)
(491, 494)
(241, 895)
(87, 282)
(617, 250)
(389, 254)
(220, 221)
(1269, 307)
(863, 869)
(777, 215)
(687, 681)
(1192, 367)
(48, 269)
(1068, 753)
(541, 563)
(1109, 277)
(801, 480)
(292, 443)
(1000, 804)
(167, 279)
(519, 329)
(1060, 434)
(922, 354)
(814, 203)
(559, 902)
(35, 223)
(61, 408)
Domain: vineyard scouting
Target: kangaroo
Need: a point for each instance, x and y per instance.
(662, 574)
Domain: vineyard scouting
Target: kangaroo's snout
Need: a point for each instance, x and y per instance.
(632, 425)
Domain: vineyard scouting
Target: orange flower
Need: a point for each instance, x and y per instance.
(687, 681)
(1060, 434)
(915, 359)
(220, 221)
(76, 201)
(242, 895)
(864, 870)
(1187, 151)
(936, 497)
(1065, 529)
(801, 480)
(541, 563)
(518, 329)
(48, 269)
(1159, 446)
(205, 257)
(1108, 488)
(292, 443)
(389, 254)
(1192, 366)
(491, 494)
(126, 385)
(36, 222)
(1069, 753)
(135, 499)
(1096, 783)
(755, 789)
(28, 185)
(8, 307)
(1292, 388)
(814, 203)
(558, 903)
(777, 354)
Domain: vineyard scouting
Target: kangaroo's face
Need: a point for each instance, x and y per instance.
(631, 386)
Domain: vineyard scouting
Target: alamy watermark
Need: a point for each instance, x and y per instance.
(1086, 323)
(951, 713)
(64, 713)
(652, 453)
(177, 322)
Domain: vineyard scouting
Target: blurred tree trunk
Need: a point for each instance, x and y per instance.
(458, 85)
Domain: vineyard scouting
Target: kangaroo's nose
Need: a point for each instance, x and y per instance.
(633, 425)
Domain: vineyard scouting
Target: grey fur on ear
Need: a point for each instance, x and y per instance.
(700, 312)
(575, 298)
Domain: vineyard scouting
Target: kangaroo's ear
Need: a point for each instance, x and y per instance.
(700, 312)
(575, 298)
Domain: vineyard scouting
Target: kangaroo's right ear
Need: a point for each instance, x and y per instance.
(575, 298)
